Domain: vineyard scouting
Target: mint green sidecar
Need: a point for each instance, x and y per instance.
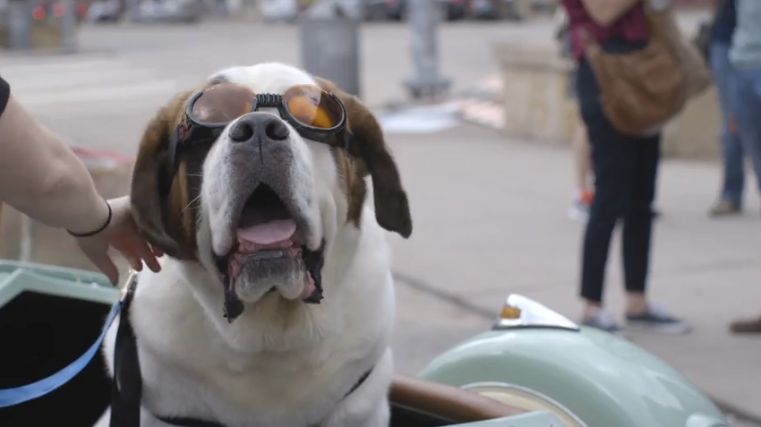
(536, 359)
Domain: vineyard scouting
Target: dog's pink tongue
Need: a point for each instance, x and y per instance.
(269, 232)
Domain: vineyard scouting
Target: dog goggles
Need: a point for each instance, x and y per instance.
(314, 113)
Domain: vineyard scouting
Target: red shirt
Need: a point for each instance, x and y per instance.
(631, 26)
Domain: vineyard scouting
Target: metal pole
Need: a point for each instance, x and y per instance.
(426, 81)
(19, 24)
(69, 27)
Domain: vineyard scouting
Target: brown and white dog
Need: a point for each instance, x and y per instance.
(281, 361)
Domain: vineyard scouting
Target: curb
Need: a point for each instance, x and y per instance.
(736, 412)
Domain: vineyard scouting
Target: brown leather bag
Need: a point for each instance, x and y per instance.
(640, 90)
(687, 54)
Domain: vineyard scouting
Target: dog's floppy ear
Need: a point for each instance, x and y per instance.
(149, 207)
(391, 206)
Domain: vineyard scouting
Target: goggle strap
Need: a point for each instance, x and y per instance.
(350, 144)
(174, 146)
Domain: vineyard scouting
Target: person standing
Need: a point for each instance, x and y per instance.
(745, 57)
(730, 198)
(582, 162)
(625, 169)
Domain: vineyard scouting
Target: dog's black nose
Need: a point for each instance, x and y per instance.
(258, 126)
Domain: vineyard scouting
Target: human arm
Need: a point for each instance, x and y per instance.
(41, 177)
(606, 12)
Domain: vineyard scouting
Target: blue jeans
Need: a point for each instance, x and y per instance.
(746, 100)
(731, 147)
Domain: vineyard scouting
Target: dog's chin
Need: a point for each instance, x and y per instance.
(278, 273)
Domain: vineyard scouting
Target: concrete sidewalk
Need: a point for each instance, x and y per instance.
(490, 217)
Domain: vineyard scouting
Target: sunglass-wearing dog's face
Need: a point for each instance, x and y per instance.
(314, 113)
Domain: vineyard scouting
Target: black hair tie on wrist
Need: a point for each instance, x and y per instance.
(101, 228)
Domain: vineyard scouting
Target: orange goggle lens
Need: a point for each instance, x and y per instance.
(312, 107)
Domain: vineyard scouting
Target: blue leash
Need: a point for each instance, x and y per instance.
(17, 395)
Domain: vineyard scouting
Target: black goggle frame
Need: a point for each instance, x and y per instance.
(193, 133)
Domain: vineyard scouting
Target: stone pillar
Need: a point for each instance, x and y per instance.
(330, 45)
(69, 27)
(19, 24)
(426, 80)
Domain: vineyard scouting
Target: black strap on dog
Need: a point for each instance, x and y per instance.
(127, 385)
(188, 422)
(194, 422)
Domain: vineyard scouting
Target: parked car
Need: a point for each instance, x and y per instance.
(102, 11)
(182, 11)
(450, 10)
(510, 9)
(454, 9)
(376, 10)
(485, 9)
(370, 10)
(46, 9)
(279, 10)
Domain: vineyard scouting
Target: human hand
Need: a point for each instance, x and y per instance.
(123, 235)
(732, 126)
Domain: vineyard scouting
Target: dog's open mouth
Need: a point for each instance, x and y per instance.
(266, 231)
(268, 255)
(268, 249)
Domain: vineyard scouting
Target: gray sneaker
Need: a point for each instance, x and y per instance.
(658, 320)
(724, 208)
(601, 320)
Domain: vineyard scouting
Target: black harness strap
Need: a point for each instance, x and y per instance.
(193, 422)
(188, 422)
(359, 382)
(127, 386)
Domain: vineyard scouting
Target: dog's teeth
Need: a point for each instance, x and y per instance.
(270, 254)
